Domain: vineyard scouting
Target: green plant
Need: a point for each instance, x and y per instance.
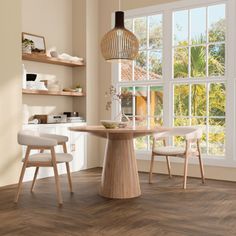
(27, 42)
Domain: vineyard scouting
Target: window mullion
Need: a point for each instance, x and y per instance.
(167, 69)
(207, 118)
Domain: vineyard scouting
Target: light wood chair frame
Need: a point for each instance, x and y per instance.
(189, 140)
(52, 163)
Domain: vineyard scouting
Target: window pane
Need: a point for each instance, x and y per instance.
(198, 61)
(217, 99)
(179, 140)
(141, 101)
(216, 23)
(156, 121)
(180, 62)
(140, 70)
(201, 122)
(127, 101)
(129, 24)
(141, 143)
(126, 70)
(198, 25)
(141, 121)
(155, 65)
(180, 24)
(140, 30)
(216, 60)
(181, 100)
(181, 122)
(156, 100)
(155, 31)
(198, 92)
(217, 137)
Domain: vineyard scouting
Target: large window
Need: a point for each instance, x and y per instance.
(199, 55)
(195, 80)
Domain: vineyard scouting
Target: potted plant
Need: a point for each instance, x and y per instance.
(27, 45)
(78, 88)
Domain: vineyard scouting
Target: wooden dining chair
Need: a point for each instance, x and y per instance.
(192, 137)
(43, 141)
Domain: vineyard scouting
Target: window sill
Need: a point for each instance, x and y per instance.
(207, 160)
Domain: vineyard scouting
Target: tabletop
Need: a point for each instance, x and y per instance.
(128, 130)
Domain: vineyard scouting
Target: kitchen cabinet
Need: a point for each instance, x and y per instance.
(76, 146)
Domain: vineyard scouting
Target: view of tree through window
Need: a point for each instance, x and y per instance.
(199, 54)
(198, 80)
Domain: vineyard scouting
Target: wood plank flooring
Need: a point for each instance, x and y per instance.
(163, 209)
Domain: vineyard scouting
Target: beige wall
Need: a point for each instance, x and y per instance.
(10, 90)
(106, 9)
(53, 20)
(85, 43)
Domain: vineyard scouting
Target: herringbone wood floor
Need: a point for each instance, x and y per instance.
(163, 209)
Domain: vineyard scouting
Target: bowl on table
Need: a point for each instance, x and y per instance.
(110, 124)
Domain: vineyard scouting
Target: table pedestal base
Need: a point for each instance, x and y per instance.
(120, 174)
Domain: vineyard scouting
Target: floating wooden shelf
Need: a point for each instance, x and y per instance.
(52, 93)
(50, 60)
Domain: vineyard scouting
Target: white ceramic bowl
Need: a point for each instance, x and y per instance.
(109, 124)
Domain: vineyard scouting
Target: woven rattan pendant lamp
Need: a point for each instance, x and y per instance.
(119, 43)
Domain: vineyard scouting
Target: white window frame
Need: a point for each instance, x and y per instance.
(230, 73)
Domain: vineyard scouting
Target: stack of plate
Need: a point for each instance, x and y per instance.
(73, 117)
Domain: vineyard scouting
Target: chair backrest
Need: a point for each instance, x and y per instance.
(184, 131)
(33, 138)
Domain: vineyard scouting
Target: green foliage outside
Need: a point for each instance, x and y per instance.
(191, 100)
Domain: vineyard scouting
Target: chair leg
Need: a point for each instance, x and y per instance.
(151, 168)
(168, 166)
(58, 187)
(35, 177)
(22, 175)
(69, 176)
(185, 171)
(200, 162)
(201, 168)
(68, 169)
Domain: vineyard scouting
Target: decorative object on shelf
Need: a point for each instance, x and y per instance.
(67, 57)
(124, 96)
(119, 43)
(27, 45)
(109, 124)
(69, 90)
(36, 43)
(78, 88)
(32, 83)
(52, 119)
(64, 56)
(73, 117)
(54, 54)
(42, 119)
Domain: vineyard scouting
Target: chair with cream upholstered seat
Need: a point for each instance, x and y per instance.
(42, 141)
(191, 135)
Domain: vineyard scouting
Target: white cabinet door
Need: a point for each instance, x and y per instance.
(77, 147)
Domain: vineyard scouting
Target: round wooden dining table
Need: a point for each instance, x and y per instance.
(120, 173)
